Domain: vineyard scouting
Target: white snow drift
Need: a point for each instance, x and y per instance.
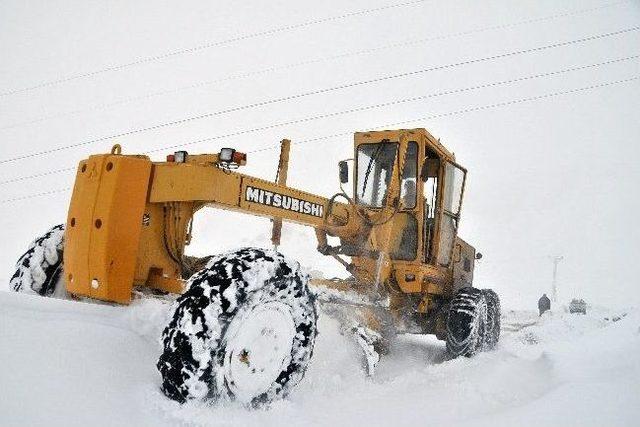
(69, 363)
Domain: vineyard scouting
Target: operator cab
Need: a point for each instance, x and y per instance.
(408, 180)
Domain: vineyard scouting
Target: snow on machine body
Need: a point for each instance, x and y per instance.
(244, 324)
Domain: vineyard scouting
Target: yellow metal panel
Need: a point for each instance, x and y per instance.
(225, 189)
(152, 254)
(80, 225)
(103, 226)
(265, 198)
(175, 182)
(426, 278)
(409, 277)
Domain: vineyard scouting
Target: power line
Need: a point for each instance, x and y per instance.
(404, 122)
(37, 175)
(457, 112)
(405, 43)
(381, 105)
(363, 108)
(320, 91)
(515, 101)
(208, 45)
(33, 196)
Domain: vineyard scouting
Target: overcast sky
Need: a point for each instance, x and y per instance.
(552, 176)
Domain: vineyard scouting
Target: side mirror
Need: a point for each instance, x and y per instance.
(478, 255)
(429, 169)
(343, 168)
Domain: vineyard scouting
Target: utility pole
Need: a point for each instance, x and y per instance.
(554, 283)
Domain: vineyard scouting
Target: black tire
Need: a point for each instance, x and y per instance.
(492, 335)
(466, 322)
(39, 269)
(199, 355)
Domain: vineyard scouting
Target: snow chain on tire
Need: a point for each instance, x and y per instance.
(234, 286)
(467, 322)
(39, 270)
(493, 319)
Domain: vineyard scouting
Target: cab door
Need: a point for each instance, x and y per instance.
(454, 177)
(430, 188)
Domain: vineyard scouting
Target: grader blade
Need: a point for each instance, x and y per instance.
(363, 318)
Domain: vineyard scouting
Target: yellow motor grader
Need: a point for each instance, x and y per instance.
(244, 324)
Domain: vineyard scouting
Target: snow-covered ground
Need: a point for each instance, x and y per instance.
(555, 176)
(74, 363)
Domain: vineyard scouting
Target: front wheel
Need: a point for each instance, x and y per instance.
(244, 330)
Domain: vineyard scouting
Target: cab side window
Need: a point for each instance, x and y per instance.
(408, 187)
(430, 191)
(405, 246)
(454, 178)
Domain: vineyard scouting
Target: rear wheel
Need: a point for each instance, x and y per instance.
(39, 269)
(493, 319)
(467, 322)
(244, 330)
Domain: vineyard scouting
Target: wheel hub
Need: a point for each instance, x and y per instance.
(258, 348)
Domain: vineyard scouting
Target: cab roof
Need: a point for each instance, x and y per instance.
(394, 135)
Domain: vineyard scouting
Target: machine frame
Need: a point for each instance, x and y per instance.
(130, 219)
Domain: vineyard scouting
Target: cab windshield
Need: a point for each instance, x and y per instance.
(375, 166)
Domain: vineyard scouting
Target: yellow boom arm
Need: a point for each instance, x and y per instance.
(129, 218)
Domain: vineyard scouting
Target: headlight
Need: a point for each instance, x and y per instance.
(226, 155)
(180, 156)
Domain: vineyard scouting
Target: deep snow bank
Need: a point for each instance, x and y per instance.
(67, 363)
